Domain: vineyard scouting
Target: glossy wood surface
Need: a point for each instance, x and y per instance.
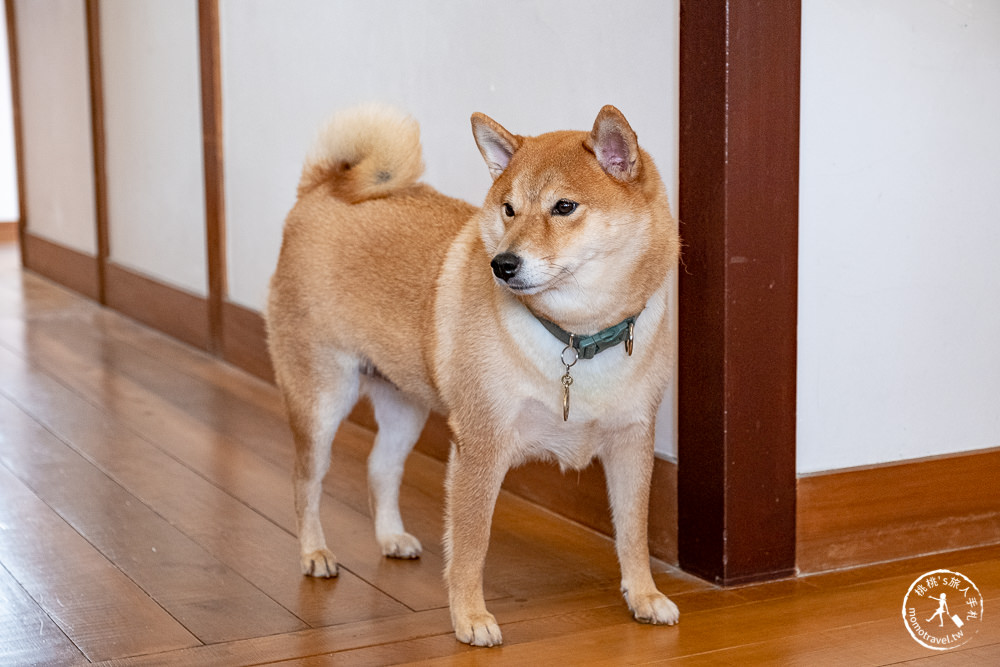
(886, 512)
(738, 151)
(146, 518)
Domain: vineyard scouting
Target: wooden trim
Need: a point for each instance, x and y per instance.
(215, 210)
(68, 267)
(169, 309)
(15, 97)
(582, 496)
(738, 204)
(887, 512)
(244, 341)
(93, 15)
(9, 232)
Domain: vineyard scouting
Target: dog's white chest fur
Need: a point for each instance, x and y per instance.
(598, 410)
(607, 396)
(541, 433)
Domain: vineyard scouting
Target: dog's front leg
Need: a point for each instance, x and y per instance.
(628, 466)
(475, 473)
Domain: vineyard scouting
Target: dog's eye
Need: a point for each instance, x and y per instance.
(564, 207)
(508, 210)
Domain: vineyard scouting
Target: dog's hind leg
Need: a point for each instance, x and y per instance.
(400, 421)
(319, 399)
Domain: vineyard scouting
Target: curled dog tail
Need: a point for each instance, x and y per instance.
(364, 153)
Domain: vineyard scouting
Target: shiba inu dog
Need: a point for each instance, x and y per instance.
(538, 324)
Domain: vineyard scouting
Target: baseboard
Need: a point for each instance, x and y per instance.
(582, 496)
(169, 309)
(577, 495)
(8, 232)
(70, 268)
(880, 513)
(244, 341)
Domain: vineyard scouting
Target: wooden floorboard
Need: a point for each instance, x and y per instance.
(180, 575)
(29, 633)
(102, 611)
(146, 519)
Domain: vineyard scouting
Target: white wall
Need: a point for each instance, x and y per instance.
(8, 169)
(152, 104)
(55, 121)
(533, 66)
(898, 316)
(899, 324)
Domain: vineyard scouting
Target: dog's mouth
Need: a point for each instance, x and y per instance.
(520, 288)
(512, 272)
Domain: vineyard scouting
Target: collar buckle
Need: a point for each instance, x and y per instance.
(588, 347)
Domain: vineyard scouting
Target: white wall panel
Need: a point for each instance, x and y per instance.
(899, 234)
(533, 66)
(55, 121)
(152, 98)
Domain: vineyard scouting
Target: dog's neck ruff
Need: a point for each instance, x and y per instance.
(585, 347)
(588, 346)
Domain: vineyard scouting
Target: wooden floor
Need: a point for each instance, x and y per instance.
(146, 518)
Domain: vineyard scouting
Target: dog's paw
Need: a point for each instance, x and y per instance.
(400, 545)
(479, 630)
(655, 608)
(320, 563)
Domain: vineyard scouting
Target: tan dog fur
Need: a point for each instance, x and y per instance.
(379, 270)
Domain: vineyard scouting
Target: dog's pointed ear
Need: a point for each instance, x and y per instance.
(495, 143)
(615, 145)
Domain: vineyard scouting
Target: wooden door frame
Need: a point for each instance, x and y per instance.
(738, 206)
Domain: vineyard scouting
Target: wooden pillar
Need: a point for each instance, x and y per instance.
(215, 210)
(93, 14)
(738, 206)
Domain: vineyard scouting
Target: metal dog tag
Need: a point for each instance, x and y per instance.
(566, 382)
(569, 356)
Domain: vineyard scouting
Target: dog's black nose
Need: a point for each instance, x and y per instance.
(505, 265)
